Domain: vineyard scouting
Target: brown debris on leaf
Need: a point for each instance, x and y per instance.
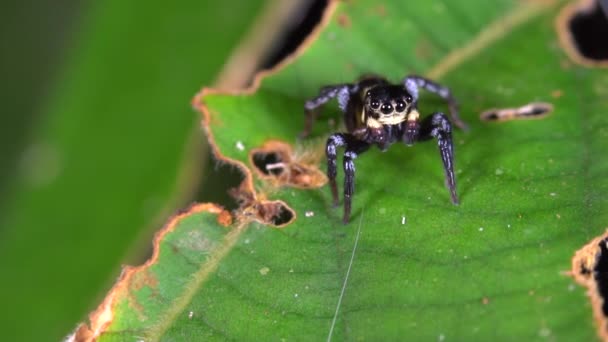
(588, 269)
(275, 161)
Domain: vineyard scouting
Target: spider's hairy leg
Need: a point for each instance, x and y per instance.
(333, 142)
(341, 91)
(413, 82)
(439, 127)
(354, 147)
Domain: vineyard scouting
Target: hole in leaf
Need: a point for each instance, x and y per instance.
(582, 29)
(274, 213)
(275, 161)
(534, 110)
(600, 273)
(268, 163)
(590, 32)
(590, 269)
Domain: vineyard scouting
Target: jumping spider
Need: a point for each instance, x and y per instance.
(379, 113)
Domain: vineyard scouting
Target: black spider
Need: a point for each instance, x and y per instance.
(379, 113)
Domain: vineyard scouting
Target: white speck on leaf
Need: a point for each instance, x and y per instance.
(264, 270)
(403, 219)
(441, 337)
(481, 229)
(544, 332)
(240, 146)
(499, 172)
(295, 295)
(190, 314)
(309, 213)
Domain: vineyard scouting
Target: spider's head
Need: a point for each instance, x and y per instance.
(387, 104)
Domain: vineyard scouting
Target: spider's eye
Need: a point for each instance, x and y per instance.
(375, 104)
(409, 99)
(400, 106)
(386, 108)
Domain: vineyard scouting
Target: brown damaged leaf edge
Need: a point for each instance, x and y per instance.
(585, 271)
(102, 317)
(276, 162)
(566, 38)
(246, 188)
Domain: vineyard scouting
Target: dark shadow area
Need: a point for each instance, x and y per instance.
(590, 32)
(219, 177)
(600, 274)
(301, 26)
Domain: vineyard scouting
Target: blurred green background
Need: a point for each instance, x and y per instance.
(98, 143)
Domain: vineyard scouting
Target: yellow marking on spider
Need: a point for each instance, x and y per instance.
(413, 116)
(392, 119)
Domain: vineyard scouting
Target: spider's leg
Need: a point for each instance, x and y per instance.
(341, 91)
(439, 127)
(413, 82)
(354, 147)
(335, 140)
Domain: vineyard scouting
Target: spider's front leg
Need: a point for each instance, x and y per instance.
(354, 147)
(341, 91)
(439, 127)
(413, 82)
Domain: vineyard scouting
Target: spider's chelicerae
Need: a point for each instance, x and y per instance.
(379, 113)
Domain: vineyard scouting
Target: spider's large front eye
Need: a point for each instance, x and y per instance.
(375, 104)
(386, 108)
(400, 106)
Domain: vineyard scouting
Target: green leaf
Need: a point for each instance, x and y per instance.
(410, 265)
(112, 153)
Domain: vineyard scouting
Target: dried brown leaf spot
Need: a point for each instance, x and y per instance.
(590, 269)
(274, 213)
(534, 110)
(276, 162)
(344, 20)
